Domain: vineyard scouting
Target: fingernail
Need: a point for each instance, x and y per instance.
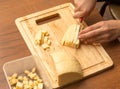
(81, 40)
(79, 37)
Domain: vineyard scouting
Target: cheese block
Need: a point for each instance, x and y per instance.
(68, 68)
(70, 37)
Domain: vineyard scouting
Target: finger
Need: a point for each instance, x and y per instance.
(95, 39)
(102, 41)
(99, 38)
(90, 28)
(77, 8)
(77, 5)
(78, 14)
(89, 34)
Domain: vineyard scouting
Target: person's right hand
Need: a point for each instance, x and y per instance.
(83, 8)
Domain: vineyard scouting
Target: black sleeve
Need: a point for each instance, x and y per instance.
(114, 1)
(110, 1)
(100, 0)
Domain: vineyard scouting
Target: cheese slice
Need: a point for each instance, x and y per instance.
(70, 37)
(67, 67)
(76, 41)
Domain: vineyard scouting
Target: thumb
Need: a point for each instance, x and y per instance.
(78, 14)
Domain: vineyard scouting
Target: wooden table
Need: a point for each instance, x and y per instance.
(12, 45)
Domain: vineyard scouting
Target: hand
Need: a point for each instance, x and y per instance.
(101, 32)
(83, 7)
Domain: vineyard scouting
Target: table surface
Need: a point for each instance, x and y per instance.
(12, 45)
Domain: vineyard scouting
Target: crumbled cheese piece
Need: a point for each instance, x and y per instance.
(33, 70)
(44, 32)
(14, 75)
(20, 78)
(45, 46)
(13, 81)
(30, 81)
(35, 87)
(40, 86)
(19, 85)
(32, 75)
(42, 39)
(49, 42)
(26, 72)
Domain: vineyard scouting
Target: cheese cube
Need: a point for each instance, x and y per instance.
(19, 85)
(14, 75)
(40, 86)
(33, 70)
(26, 72)
(13, 81)
(20, 78)
(45, 46)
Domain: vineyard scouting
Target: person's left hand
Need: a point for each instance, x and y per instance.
(83, 8)
(101, 32)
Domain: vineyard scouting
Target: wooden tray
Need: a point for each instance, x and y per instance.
(56, 20)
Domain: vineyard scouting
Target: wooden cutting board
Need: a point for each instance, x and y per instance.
(56, 20)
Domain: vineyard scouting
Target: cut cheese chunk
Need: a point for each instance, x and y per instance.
(70, 37)
(42, 39)
(67, 67)
(38, 38)
(46, 39)
(44, 32)
(45, 46)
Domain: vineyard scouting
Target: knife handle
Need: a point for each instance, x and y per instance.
(81, 19)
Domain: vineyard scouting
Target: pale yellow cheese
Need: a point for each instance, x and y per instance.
(20, 78)
(71, 34)
(44, 32)
(38, 38)
(13, 81)
(30, 80)
(76, 40)
(19, 85)
(45, 46)
(46, 39)
(49, 42)
(67, 67)
(42, 39)
(70, 37)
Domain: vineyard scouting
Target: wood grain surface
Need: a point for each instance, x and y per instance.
(12, 45)
(93, 58)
